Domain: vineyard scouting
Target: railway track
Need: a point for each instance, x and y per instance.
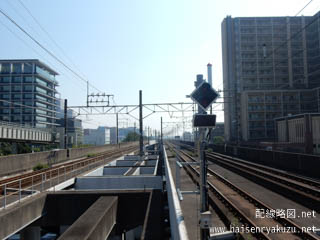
(243, 204)
(303, 190)
(298, 178)
(54, 175)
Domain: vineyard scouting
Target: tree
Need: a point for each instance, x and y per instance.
(131, 136)
(23, 148)
(5, 148)
(218, 140)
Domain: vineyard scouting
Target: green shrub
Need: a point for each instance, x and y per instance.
(40, 166)
(92, 154)
(36, 149)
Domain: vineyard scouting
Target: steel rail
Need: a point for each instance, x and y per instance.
(283, 221)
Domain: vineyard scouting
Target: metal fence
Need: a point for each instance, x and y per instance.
(304, 164)
(15, 191)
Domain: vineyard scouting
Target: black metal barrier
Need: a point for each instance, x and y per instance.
(304, 164)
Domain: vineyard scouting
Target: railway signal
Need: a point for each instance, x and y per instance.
(204, 95)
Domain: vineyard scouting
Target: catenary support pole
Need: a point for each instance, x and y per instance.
(65, 123)
(117, 129)
(141, 123)
(161, 132)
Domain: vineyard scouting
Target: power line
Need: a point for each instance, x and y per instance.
(300, 10)
(45, 49)
(37, 53)
(21, 16)
(279, 62)
(16, 103)
(292, 36)
(31, 27)
(49, 36)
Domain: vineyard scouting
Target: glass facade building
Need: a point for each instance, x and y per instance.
(28, 93)
(270, 66)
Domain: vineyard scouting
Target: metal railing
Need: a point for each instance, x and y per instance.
(15, 191)
(28, 126)
(178, 227)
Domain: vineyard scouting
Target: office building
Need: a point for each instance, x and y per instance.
(74, 126)
(187, 136)
(269, 71)
(74, 132)
(28, 93)
(99, 136)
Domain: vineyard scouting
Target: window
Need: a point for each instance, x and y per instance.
(27, 96)
(40, 125)
(5, 96)
(5, 88)
(27, 88)
(28, 103)
(6, 110)
(27, 118)
(28, 79)
(41, 111)
(15, 118)
(43, 119)
(16, 110)
(28, 67)
(41, 105)
(44, 73)
(41, 82)
(5, 79)
(41, 90)
(5, 68)
(27, 110)
(16, 68)
(41, 98)
(16, 96)
(16, 79)
(16, 88)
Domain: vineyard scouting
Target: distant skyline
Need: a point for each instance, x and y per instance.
(125, 46)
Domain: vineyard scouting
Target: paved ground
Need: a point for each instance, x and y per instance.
(191, 202)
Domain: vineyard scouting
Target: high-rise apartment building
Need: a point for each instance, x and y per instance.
(28, 93)
(269, 71)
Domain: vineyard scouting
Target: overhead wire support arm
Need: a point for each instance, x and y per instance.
(128, 109)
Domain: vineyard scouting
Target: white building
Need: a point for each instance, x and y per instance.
(99, 136)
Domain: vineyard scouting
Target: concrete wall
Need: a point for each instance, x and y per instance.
(31, 134)
(15, 218)
(119, 182)
(17, 163)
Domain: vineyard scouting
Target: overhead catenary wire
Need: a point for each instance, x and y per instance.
(290, 38)
(34, 31)
(45, 49)
(36, 52)
(50, 37)
(275, 50)
(299, 10)
(295, 54)
(21, 17)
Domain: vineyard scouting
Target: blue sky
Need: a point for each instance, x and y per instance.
(124, 46)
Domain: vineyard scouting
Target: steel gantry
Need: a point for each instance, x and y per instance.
(149, 108)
